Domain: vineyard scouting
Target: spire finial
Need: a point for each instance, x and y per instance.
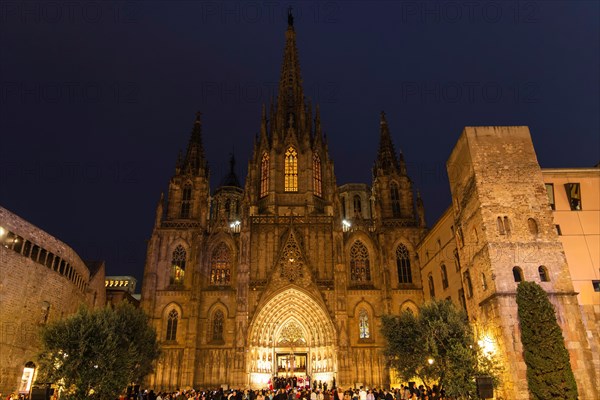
(198, 115)
(231, 162)
(290, 17)
(382, 119)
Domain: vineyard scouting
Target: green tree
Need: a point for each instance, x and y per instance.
(96, 354)
(437, 346)
(549, 373)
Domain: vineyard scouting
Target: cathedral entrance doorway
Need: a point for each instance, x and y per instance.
(291, 342)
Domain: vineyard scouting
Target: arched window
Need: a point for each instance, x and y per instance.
(220, 273)
(186, 201)
(444, 276)
(395, 199)
(467, 277)
(500, 224)
(363, 324)
(403, 264)
(518, 274)
(543, 271)
(357, 205)
(360, 271)
(217, 326)
(533, 226)
(317, 180)
(291, 170)
(431, 286)
(264, 175)
(178, 266)
(172, 320)
(484, 284)
(507, 225)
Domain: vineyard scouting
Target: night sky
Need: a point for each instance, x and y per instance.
(97, 98)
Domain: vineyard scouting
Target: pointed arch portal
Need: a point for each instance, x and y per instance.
(291, 335)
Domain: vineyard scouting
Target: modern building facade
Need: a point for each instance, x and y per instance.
(289, 274)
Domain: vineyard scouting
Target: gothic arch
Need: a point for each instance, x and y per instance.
(217, 240)
(392, 256)
(178, 241)
(173, 306)
(366, 239)
(277, 310)
(362, 303)
(218, 305)
(409, 305)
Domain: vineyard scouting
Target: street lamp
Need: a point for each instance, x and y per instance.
(430, 361)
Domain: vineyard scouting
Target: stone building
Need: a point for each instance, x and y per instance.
(289, 274)
(41, 280)
(512, 221)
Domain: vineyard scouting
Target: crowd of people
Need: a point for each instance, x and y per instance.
(405, 392)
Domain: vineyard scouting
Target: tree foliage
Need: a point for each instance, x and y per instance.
(549, 373)
(440, 332)
(96, 354)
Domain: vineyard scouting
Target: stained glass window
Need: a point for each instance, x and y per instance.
(291, 170)
(172, 320)
(317, 182)
(360, 270)
(220, 273)
(178, 266)
(264, 175)
(217, 331)
(363, 324)
(403, 264)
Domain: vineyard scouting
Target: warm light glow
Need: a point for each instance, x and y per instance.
(487, 344)
(26, 380)
(346, 224)
(2, 231)
(430, 361)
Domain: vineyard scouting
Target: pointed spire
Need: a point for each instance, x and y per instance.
(387, 162)
(194, 161)
(263, 126)
(402, 163)
(290, 100)
(318, 131)
(420, 210)
(179, 164)
(290, 18)
(159, 211)
(231, 179)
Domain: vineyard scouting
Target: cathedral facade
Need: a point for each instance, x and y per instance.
(287, 275)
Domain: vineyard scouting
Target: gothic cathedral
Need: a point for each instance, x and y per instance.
(289, 274)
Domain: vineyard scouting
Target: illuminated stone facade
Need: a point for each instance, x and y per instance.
(290, 274)
(41, 280)
(228, 277)
(503, 227)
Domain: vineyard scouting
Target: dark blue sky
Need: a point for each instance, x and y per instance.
(97, 98)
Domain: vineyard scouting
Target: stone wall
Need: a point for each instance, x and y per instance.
(33, 294)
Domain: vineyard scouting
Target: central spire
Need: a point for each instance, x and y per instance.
(290, 100)
(386, 162)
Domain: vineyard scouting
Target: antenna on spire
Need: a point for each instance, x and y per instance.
(290, 17)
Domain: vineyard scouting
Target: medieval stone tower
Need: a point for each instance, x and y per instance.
(288, 275)
(505, 234)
